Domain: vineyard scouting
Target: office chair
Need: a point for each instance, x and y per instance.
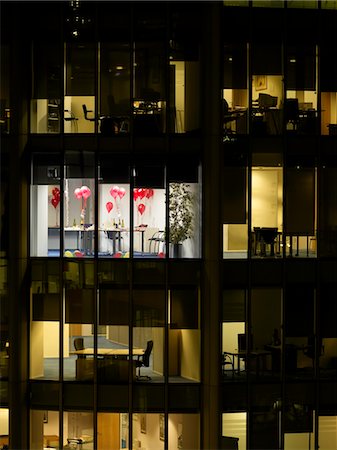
(227, 360)
(144, 361)
(79, 345)
(86, 111)
(156, 239)
(309, 349)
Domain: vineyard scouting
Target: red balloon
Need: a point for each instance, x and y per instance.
(121, 193)
(135, 194)
(149, 193)
(114, 191)
(141, 208)
(56, 192)
(141, 193)
(109, 206)
(55, 201)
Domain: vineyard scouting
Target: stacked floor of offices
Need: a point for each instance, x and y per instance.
(108, 110)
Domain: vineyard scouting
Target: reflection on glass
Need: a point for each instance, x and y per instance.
(45, 429)
(234, 430)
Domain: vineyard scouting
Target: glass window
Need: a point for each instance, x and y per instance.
(45, 300)
(185, 209)
(300, 211)
(79, 204)
(149, 210)
(45, 204)
(234, 430)
(327, 239)
(115, 88)
(235, 89)
(267, 205)
(78, 429)
(80, 114)
(184, 333)
(149, 72)
(78, 328)
(45, 112)
(183, 431)
(267, 89)
(114, 207)
(233, 334)
(45, 429)
(300, 108)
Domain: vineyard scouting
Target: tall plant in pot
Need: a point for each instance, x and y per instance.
(181, 215)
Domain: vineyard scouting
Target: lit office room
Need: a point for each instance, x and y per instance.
(148, 430)
(111, 351)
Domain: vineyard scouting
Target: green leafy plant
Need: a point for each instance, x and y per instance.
(180, 212)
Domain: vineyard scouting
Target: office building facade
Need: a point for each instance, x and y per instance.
(168, 225)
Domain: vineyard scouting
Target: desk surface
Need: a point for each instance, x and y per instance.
(109, 351)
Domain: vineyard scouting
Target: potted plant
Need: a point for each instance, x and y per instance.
(181, 216)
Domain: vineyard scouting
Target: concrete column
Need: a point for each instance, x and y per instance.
(211, 108)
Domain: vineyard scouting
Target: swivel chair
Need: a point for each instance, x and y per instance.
(144, 361)
(79, 345)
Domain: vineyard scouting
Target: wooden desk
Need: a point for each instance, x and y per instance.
(108, 352)
(113, 367)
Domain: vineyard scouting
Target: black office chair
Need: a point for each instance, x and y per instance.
(155, 240)
(108, 125)
(227, 360)
(79, 345)
(144, 361)
(309, 349)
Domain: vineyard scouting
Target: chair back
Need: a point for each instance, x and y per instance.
(147, 353)
(79, 344)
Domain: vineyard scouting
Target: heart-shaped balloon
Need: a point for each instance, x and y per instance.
(78, 193)
(141, 208)
(135, 194)
(56, 192)
(55, 201)
(86, 192)
(109, 206)
(141, 193)
(149, 193)
(114, 191)
(121, 193)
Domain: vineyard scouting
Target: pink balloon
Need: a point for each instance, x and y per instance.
(135, 194)
(78, 193)
(86, 192)
(149, 193)
(141, 208)
(114, 191)
(109, 206)
(121, 193)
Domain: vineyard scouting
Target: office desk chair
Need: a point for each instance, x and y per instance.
(227, 360)
(144, 361)
(79, 345)
(108, 125)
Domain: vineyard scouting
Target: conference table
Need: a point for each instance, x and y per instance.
(260, 356)
(112, 364)
(84, 236)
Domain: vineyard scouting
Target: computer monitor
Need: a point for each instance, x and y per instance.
(267, 101)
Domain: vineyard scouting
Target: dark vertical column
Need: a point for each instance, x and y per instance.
(212, 229)
(18, 226)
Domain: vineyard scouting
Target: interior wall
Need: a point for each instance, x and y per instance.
(230, 331)
(266, 197)
(4, 421)
(179, 95)
(185, 429)
(190, 354)
(51, 335)
(274, 88)
(234, 425)
(148, 440)
(74, 104)
(327, 436)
